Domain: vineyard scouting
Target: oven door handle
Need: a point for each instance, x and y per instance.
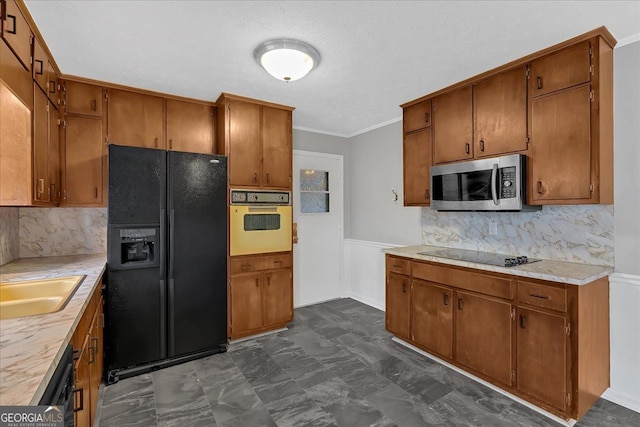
(494, 184)
(262, 209)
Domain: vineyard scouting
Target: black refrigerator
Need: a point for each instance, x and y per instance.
(166, 294)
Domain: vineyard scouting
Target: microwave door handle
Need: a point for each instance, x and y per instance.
(494, 184)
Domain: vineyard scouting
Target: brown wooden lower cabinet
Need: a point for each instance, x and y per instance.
(398, 304)
(483, 335)
(88, 347)
(546, 342)
(432, 316)
(260, 294)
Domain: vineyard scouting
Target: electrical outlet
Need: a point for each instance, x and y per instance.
(493, 228)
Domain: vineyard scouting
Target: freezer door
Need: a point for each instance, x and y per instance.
(137, 189)
(197, 210)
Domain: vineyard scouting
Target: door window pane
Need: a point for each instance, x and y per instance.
(314, 191)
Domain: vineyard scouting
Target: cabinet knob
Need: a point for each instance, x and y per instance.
(404, 287)
(155, 142)
(39, 63)
(426, 117)
(81, 406)
(482, 145)
(94, 105)
(255, 177)
(13, 26)
(467, 148)
(539, 82)
(445, 299)
(257, 283)
(459, 303)
(523, 319)
(427, 195)
(539, 187)
(267, 177)
(171, 144)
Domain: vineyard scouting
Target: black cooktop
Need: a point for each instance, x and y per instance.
(489, 258)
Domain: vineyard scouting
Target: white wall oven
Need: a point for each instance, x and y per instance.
(259, 222)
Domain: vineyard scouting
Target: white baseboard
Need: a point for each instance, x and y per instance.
(367, 301)
(549, 415)
(622, 399)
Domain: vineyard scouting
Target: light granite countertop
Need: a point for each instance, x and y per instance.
(31, 347)
(554, 271)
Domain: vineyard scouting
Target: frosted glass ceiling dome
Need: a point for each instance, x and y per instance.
(287, 59)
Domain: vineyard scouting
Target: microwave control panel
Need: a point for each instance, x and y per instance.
(508, 183)
(250, 197)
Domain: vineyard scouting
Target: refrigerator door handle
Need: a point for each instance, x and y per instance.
(172, 266)
(163, 289)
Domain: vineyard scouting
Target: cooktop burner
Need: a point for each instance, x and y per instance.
(502, 260)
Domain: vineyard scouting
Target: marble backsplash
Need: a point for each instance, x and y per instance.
(575, 233)
(62, 231)
(8, 234)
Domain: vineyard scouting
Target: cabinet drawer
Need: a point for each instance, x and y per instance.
(16, 32)
(551, 297)
(563, 69)
(496, 286)
(417, 116)
(398, 265)
(258, 263)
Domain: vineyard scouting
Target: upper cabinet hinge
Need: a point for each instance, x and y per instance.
(513, 314)
(513, 376)
(591, 187)
(568, 399)
(591, 69)
(59, 122)
(106, 96)
(591, 51)
(567, 329)
(527, 73)
(47, 107)
(592, 95)
(528, 140)
(64, 124)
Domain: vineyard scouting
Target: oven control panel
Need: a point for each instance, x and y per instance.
(252, 197)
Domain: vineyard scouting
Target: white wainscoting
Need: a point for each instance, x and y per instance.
(364, 271)
(365, 281)
(624, 298)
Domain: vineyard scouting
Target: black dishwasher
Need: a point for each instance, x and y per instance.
(59, 392)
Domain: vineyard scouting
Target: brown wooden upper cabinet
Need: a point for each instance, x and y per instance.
(82, 98)
(16, 32)
(46, 149)
(453, 126)
(416, 153)
(571, 125)
(135, 119)
(44, 74)
(417, 116)
(190, 127)
(257, 138)
(566, 68)
(500, 104)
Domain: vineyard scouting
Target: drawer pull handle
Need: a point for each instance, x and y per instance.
(94, 105)
(539, 296)
(459, 303)
(482, 145)
(523, 319)
(539, 82)
(257, 283)
(426, 117)
(52, 86)
(397, 266)
(467, 148)
(539, 187)
(445, 299)
(404, 287)
(39, 62)
(277, 262)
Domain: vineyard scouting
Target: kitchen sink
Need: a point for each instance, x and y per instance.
(31, 297)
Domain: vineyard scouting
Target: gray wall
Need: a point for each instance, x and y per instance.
(627, 158)
(321, 143)
(375, 168)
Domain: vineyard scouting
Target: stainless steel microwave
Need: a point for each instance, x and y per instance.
(494, 184)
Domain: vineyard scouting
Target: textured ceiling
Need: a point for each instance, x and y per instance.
(375, 55)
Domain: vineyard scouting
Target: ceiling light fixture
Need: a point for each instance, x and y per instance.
(287, 59)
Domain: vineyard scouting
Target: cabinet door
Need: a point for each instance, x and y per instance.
(501, 114)
(246, 303)
(81, 391)
(276, 148)
(16, 32)
(277, 296)
(96, 357)
(54, 154)
(53, 84)
(453, 126)
(398, 305)
(416, 117)
(16, 76)
(81, 98)
(135, 119)
(189, 127)
(416, 164)
(245, 153)
(83, 152)
(483, 335)
(566, 68)
(542, 356)
(561, 146)
(432, 317)
(41, 188)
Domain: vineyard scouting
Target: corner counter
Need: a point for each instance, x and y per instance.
(31, 347)
(554, 271)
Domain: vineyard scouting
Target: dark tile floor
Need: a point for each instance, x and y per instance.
(334, 366)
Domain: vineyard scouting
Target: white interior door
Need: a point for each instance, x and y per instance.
(318, 210)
